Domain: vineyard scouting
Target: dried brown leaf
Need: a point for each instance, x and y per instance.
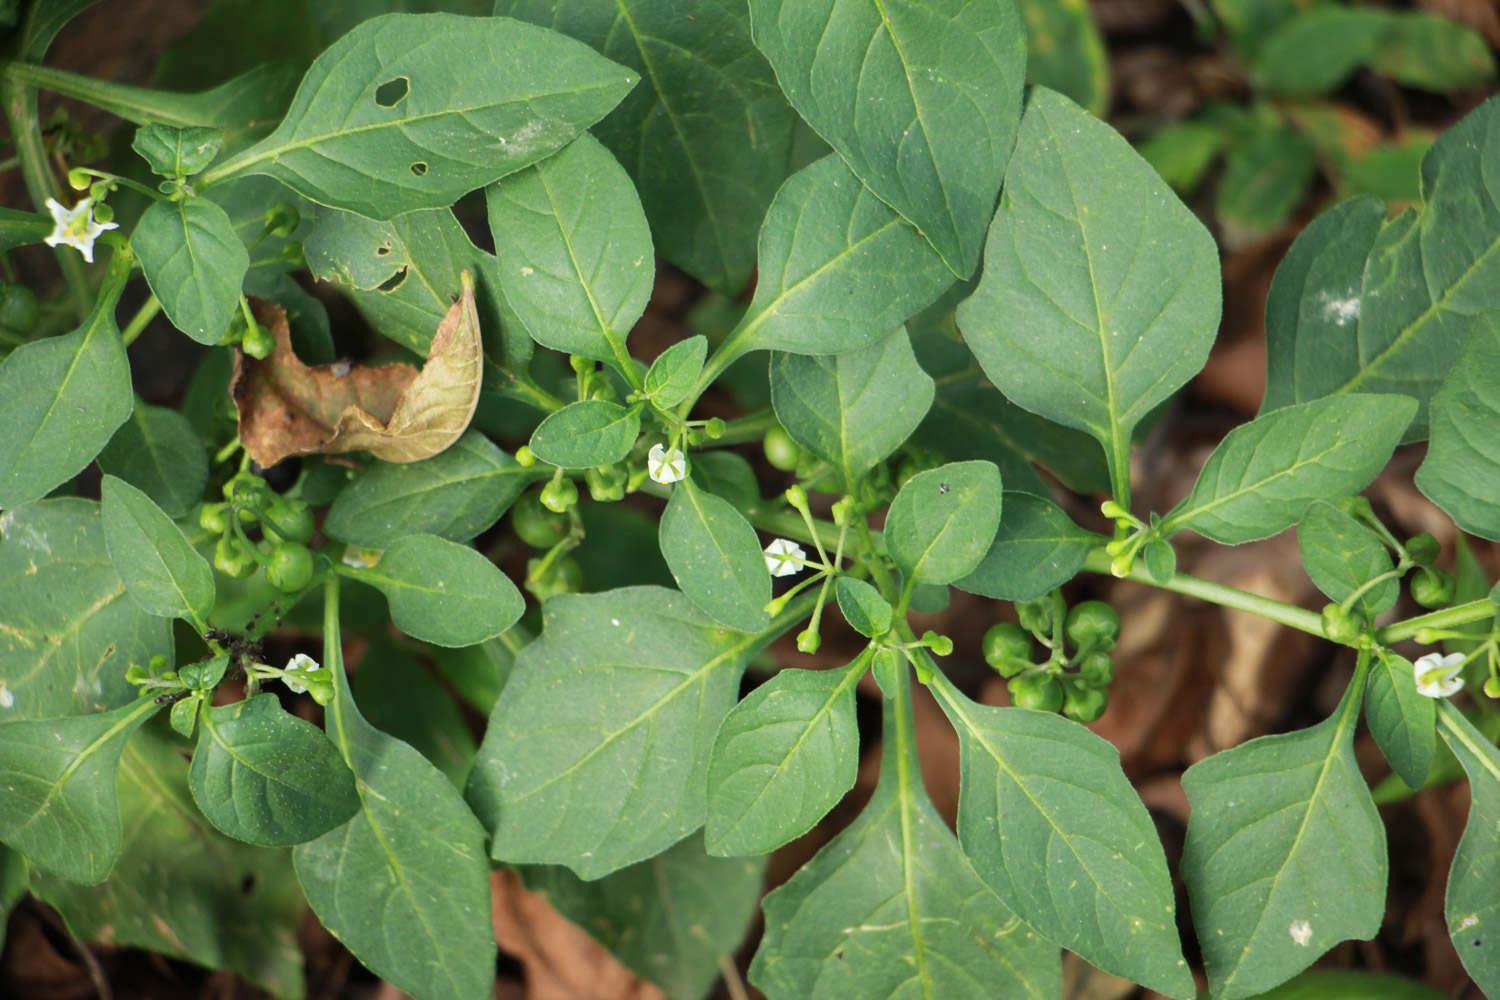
(394, 412)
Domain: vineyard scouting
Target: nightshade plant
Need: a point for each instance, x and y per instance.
(956, 226)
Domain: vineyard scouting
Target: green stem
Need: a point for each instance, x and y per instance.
(25, 130)
(1459, 614)
(333, 659)
(742, 430)
(1457, 729)
(521, 387)
(142, 318)
(1119, 467)
(134, 104)
(1222, 594)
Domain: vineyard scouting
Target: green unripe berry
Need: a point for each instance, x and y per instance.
(1492, 687)
(808, 641)
(233, 558)
(1036, 616)
(290, 567)
(1083, 702)
(607, 483)
(1092, 625)
(19, 310)
(1432, 588)
(257, 341)
(1423, 548)
(940, 645)
(1340, 625)
(564, 576)
(559, 495)
(211, 518)
(525, 457)
(715, 428)
(1007, 648)
(781, 451)
(1035, 691)
(288, 520)
(535, 525)
(1097, 668)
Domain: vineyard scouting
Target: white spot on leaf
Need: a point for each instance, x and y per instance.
(1301, 932)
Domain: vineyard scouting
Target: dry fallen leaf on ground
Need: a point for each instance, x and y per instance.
(394, 412)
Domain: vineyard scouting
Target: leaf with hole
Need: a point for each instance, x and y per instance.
(943, 521)
(783, 757)
(412, 111)
(266, 777)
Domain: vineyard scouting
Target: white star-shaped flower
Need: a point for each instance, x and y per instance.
(1439, 676)
(785, 557)
(301, 662)
(76, 227)
(666, 465)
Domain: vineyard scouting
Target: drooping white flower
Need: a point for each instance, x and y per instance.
(1439, 676)
(666, 465)
(785, 557)
(300, 662)
(76, 227)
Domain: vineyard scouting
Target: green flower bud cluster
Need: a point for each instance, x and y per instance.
(1075, 679)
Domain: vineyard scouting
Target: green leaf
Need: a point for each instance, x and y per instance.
(1065, 52)
(455, 494)
(405, 274)
(1285, 853)
(671, 377)
(943, 520)
(838, 270)
(68, 629)
(576, 262)
(194, 263)
(177, 152)
(14, 882)
(1052, 825)
(855, 408)
(1267, 172)
(1182, 152)
(920, 99)
(1402, 721)
(443, 592)
(1341, 554)
(1433, 275)
(1250, 22)
(1316, 51)
(863, 608)
(354, 138)
(715, 557)
(1315, 298)
(706, 136)
(672, 919)
(1432, 52)
(1100, 294)
(1462, 469)
(548, 782)
(159, 453)
(783, 757)
(1471, 907)
(587, 433)
(891, 908)
(266, 777)
(61, 398)
(970, 420)
(161, 569)
(60, 808)
(1350, 984)
(1037, 549)
(183, 889)
(1265, 474)
(401, 698)
(404, 884)
(19, 229)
